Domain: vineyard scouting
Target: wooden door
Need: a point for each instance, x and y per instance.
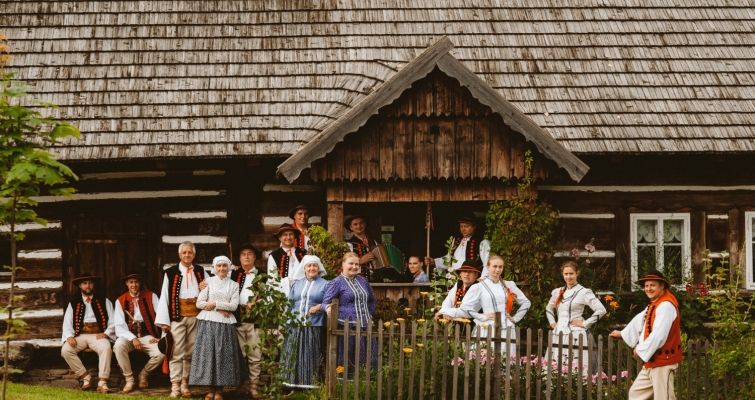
(109, 247)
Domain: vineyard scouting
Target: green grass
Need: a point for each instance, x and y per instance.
(18, 391)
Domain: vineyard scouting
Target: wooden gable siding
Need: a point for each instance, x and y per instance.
(435, 130)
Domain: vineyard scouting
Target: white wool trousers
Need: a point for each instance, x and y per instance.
(83, 342)
(654, 383)
(123, 347)
(184, 335)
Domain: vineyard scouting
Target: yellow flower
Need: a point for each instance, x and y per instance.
(387, 324)
(407, 309)
(462, 320)
(400, 319)
(484, 325)
(614, 305)
(408, 350)
(424, 294)
(339, 369)
(608, 297)
(443, 321)
(421, 321)
(420, 345)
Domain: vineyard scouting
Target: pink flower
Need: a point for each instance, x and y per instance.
(624, 374)
(689, 288)
(457, 361)
(575, 252)
(613, 378)
(590, 247)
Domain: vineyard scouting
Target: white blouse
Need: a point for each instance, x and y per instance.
(225, 294)
(490, 297)
(572, 307)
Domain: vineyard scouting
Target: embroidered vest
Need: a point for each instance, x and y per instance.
(301, 240)
(79, 309)
(174, 288)
(281, 259)
(461, 292)
(472, 252)
(146, 308)
(671, 351)
(361, 249)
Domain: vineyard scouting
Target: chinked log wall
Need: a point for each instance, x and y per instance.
(149, 208)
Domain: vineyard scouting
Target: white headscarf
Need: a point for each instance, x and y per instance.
(222, 260)
(306, 260)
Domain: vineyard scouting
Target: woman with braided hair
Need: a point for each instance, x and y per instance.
(565, 312)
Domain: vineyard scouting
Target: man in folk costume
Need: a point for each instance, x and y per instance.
(468, 245)
(361, 244)
(283, 262)
(177, 312)
(134, 321)
(300, 215)
(655, 335)
(493, 294)
(88, 323)
(468, 273)
(249, 338)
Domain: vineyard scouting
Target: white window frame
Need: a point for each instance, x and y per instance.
(686, 242)
(749, 217)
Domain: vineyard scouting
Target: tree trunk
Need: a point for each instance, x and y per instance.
(8, 325)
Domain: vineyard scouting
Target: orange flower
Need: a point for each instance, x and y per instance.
(614, 305)
(339, 369)
(608, 297)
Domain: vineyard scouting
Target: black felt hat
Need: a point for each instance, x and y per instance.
(653, 275)
(133, 275)
(165, 345)
(84, 277)
(467, 219)
(347, 221)
(471, 266)
(286, 228)
(296, 208)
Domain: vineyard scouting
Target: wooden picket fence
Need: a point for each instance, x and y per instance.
(408, 360)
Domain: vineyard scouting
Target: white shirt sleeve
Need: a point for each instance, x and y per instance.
(448, 302)
(67, 324)
(598, 309)
(665, 315)
(469, 305)
(272, 269)
(631, 332)
(162, 315)
(484, 256)
(521, 299)
(121, 327)
(110, 330)
(204, 296)
(550, 308)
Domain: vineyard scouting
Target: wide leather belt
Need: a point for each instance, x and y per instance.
(91, 328)
(188, 307)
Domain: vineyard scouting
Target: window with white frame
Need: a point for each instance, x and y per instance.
(661, 241)
(750, 249)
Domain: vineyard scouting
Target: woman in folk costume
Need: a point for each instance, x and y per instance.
(216, 359)
(468, 274)
(656, 336)
(303, 349)
(356, 305)
(493, 294)
(284, 261)
(565, 311)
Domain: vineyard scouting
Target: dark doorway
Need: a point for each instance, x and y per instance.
(110, 246)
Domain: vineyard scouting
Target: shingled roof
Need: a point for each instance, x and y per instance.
(145, 78)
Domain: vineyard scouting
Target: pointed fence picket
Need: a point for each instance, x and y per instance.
(450, 360)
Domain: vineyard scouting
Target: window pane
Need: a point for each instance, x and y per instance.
(645, 259)
(672, 231)
(672, 263)
(646, 231)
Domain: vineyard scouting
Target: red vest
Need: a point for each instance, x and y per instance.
(671, 351)
(146, 308)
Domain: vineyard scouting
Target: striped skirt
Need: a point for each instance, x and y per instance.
(302, 357)
(216, 358)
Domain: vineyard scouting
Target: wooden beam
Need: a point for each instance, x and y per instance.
(335, 219)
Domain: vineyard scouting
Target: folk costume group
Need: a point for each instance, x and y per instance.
(194, 329)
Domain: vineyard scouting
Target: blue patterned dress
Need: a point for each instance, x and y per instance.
(303, 347)
(356, 304)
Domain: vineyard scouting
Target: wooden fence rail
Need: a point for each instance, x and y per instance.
(423, 359)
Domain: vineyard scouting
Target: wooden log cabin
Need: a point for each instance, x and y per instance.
(207, 121)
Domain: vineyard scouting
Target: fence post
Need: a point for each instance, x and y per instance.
(497, 351)
(330, 374)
